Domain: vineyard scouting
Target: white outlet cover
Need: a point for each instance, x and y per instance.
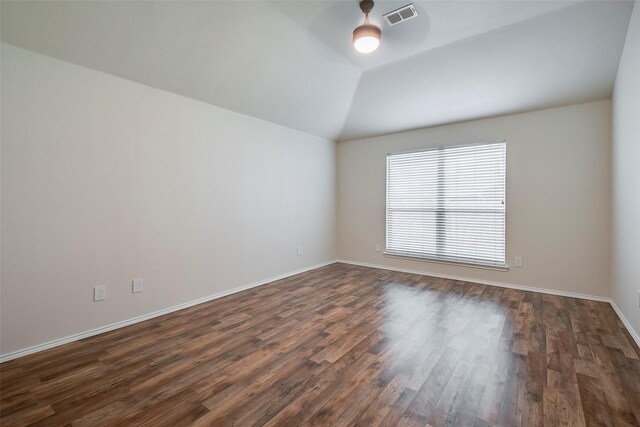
(378, 247)
(99, 293)
(299, 250)
(518, 261)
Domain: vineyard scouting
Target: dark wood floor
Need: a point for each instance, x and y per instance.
(343, 345)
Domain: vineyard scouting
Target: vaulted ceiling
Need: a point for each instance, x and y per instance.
(292, 62)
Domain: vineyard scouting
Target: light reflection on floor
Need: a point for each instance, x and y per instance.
(423, 324)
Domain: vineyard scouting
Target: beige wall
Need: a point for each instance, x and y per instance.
(626, 178)
(105, 180)
(558, 196)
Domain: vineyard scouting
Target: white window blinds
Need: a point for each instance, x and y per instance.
(448, 204)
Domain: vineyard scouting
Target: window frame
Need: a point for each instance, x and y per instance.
(438, 260)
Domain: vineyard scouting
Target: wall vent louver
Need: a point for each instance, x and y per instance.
(400, 15)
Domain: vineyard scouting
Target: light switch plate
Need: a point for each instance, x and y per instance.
(136, 286)
(518, 261)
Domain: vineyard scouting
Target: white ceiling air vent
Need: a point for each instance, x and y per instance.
(400, 15)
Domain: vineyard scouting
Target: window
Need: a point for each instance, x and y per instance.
(448, 204)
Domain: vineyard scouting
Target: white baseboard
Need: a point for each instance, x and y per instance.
(626, 323)
(138, 319)
(482, 282)
(624, 320)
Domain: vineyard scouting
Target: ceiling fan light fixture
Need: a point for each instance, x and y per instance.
(366, 38)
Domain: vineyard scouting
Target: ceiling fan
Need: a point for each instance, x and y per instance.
(366, 38)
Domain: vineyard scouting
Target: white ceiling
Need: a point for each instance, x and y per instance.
(439, 23)
(292, 62)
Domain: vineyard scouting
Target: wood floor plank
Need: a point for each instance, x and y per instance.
(343, 345)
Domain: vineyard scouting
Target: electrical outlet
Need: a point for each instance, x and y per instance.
(518, 261)
(136, 285)
(378, 247)
(299, 250)
(99, 293)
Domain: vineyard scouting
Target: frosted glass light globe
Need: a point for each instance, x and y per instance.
(366, 44)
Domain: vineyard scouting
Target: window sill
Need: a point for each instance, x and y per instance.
(440, 261)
